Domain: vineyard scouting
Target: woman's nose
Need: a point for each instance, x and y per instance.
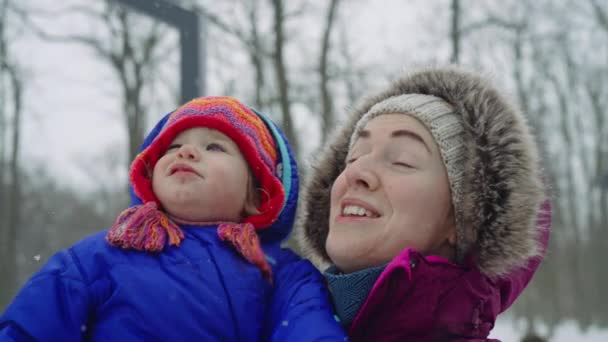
(361, 173)
(187, 151)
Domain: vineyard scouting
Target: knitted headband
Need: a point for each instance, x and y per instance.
(240, 124)
(445, 126)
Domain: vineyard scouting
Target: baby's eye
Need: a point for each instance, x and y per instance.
(215, 147)
(173, 147)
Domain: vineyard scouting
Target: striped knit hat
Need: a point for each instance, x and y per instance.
(145, 227)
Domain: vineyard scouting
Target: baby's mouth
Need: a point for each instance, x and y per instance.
(181, 168)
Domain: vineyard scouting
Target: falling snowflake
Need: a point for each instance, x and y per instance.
(285, 323)
(270, 259)
(37, 257)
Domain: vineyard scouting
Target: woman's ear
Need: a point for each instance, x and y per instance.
(448, 246)
(452, 237)
(451, 224)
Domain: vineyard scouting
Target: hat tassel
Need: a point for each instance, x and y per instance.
(144, 228)
(246, 241)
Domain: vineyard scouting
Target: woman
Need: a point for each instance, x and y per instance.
(428, 206)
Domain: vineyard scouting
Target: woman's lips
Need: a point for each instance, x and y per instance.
(355, 209)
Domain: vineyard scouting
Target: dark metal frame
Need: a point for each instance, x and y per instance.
(192, 66)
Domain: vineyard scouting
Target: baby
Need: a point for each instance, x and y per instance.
(197, 256)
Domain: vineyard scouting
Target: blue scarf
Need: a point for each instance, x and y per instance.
(349, 291)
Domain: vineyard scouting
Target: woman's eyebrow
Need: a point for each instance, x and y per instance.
(363, 134)
(409, 134)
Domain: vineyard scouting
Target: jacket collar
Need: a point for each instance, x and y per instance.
(427, 296)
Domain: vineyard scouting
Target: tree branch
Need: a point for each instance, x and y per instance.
(600, 14)
(327, 119)
(490, 21)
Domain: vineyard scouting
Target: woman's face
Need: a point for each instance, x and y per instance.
(393, 194)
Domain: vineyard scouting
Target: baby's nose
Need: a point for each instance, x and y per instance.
(187, 151)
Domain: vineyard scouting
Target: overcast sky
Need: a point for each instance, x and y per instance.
(72, 109)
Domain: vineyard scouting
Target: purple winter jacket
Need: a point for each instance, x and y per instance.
(419, 298)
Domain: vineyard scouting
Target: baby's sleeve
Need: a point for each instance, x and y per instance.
(300, 307)
(51, 306)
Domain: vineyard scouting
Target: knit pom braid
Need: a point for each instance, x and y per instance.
(245, 240)
(144, 228)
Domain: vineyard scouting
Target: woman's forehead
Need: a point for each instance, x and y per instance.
(394, 127)
(386, 121)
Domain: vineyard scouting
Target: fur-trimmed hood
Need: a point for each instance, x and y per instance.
(502, 188)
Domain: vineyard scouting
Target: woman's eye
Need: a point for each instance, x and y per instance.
(351, 160)
(215, 147)
(402, 164)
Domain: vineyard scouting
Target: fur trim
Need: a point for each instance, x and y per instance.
(502, 189)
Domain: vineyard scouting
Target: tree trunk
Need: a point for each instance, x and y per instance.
(250, 40)
(455, 32)
(134, 111)
(327, 110)
(281, 75)
(3, 118)
(10, 196)
(594, 92)
(256, 55)
(14, 217)
(129, 56)
(522, 94)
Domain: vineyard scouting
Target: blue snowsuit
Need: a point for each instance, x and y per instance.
(202, 290)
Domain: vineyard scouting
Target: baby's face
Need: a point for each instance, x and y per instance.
(393, 194)
(202, 177)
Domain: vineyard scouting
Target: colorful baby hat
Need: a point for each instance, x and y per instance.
(146, 228)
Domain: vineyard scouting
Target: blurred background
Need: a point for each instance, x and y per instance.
(82, 82)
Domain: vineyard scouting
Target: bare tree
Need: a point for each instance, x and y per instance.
(597, 92)
(562, 90)
(601, 14)
(327, 107)
(10, 183)
(349, 73)
(281, 74)
(460, 31)
(257, 54)
(60, 215)
(250, 39)
(455, 31)
(131, 54)
(267, 59)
